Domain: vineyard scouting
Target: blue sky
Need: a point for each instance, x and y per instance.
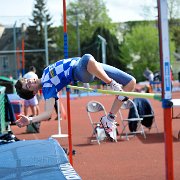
(118, 10)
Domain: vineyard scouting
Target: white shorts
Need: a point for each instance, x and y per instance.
(151, 77)
(31, 102)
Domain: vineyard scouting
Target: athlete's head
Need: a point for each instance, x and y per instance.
(26, 88)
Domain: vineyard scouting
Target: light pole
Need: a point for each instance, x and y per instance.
(23, 29)
(46, 40)
(103, 46)
(78, 34)
(18, 62)
(14, 41)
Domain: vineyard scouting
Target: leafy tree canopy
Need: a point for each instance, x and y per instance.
(84, 17)
(141, 49)
(93, 46)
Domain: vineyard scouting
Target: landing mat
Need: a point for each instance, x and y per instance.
(35, 159)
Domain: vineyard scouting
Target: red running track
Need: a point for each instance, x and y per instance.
(135, 159)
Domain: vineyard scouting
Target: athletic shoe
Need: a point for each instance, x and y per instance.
(115, 86)
(109, 128)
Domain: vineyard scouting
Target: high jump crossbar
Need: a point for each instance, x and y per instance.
(135, 94)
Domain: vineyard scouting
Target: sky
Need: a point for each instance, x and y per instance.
(12, 11)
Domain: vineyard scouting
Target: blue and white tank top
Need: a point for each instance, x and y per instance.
(57, 76)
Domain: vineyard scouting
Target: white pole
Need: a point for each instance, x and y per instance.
(59, 124)
(46, 40)
(103, 47)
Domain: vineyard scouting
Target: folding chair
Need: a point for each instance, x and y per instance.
(146, 112)
(135, 121)
(96, 110)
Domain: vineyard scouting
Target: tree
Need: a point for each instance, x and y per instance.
(176, 37)
(173, 9)
(93, 46)
(141, 49)
(36, 36)
(83, 17)
(173, 17)
(151, 11)
(91, 14)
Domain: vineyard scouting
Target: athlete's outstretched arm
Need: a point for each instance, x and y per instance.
(49, 107)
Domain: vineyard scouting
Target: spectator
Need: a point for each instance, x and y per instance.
(32, 103)
(148, 74)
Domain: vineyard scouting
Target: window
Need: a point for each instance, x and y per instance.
(4, 63)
